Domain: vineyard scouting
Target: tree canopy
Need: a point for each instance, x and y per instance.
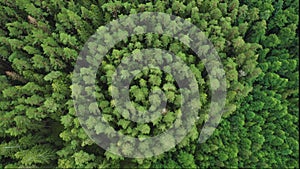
(258, 45)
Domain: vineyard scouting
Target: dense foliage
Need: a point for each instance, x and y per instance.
(256, 41)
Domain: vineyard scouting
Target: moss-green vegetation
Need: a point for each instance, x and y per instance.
(258, 45)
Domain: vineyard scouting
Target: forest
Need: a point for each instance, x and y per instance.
(63, 105)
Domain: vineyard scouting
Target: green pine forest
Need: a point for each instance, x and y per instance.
(257, 42)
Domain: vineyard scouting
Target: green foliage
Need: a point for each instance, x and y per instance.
(257, 42)
(42, 154)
